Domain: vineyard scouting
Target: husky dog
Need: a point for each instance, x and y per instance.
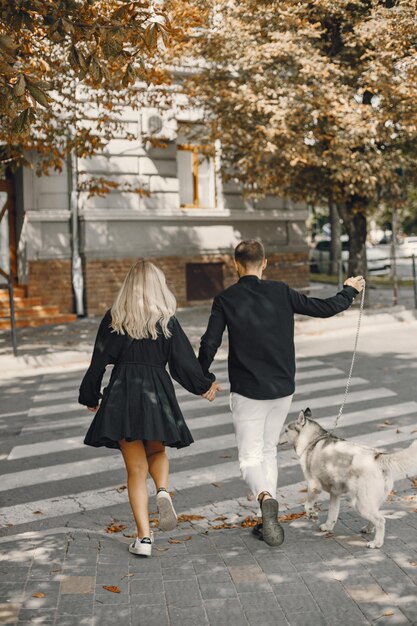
(342, 467)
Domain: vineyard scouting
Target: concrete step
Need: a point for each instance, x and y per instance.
(63, 318)
(18, 292)
(34, 311)
(19, 303)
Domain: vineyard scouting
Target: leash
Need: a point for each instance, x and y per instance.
(352, 363)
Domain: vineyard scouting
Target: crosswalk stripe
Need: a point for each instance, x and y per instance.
(100, 498)
(95, 465)
(74, 443)
(208, 421)
(72, 392)
(335, 400)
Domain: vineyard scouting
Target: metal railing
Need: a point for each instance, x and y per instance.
(9, 280)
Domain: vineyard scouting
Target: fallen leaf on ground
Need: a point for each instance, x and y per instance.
(220, 518)
(179, 540)
(154, 521)
(216, 484)
(38, 594)
(171, 493)
(161, 549)
(225, 456)
(121, 488)
(115, 528)
(388, 422)
(414, 430)
(291, 516)
(394, 493)
(388, 613)
(224, 525)
(413, 564)
(249, 522)
(9, 525)
(303, 490)
(413, 482)
(189, 518)
(37, 513)
(112, 588)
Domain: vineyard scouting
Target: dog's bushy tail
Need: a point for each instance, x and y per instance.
(400, 464)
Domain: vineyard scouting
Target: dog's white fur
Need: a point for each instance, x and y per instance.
(341, 467)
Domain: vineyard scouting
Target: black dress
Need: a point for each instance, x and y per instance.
(139, 402)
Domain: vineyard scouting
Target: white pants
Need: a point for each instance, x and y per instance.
(258, 424)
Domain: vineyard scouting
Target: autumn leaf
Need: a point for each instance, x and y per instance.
(121, 488)
(179, 540)
(154, 521)
(249, 522)
(19, 86)
(388, 613)
(291, 516)
(220, 518)
(217, 485)
(115, 528)
(112, 588)
(413, 482)
(189, 518)
(37, 512)
(38, 94)
(38, 594)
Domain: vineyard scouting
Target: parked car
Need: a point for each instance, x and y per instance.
(408, 247)
(377, 260)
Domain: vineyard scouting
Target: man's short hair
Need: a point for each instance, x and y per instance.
(250, 252)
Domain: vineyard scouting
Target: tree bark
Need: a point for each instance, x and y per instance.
(335, 242)
(354, 218)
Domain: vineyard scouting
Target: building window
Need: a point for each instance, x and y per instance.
(204, 280)
(196, 176)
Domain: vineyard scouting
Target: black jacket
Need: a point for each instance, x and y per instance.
(259, 315)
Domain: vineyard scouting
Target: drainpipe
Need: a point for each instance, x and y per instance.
(76, 263)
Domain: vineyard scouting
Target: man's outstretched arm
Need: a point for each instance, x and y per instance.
(212, 338)
(327, 307)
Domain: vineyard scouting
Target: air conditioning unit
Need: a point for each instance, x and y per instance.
(158, 124)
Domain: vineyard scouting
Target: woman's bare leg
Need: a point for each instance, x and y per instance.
(134, 456)
(158, 463)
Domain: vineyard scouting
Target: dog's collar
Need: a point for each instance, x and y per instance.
(311, 444)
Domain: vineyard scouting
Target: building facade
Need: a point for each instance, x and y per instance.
(168, 204)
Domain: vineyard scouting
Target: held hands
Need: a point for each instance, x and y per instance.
(357, 282)
(211, 393)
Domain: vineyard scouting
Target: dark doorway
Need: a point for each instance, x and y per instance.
(204, 280)
(8, 258)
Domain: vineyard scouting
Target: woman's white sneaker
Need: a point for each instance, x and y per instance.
(167, 515)
(142, 547)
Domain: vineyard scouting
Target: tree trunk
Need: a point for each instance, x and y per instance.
(354, 219)
(335, 242)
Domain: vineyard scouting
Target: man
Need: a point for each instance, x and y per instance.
(259, 315)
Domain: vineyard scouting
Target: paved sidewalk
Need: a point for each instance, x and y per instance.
(56, 558)
(202, 576)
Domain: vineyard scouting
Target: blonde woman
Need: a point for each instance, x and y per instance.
(139, 413)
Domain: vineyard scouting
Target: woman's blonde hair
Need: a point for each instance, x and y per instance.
(143, 303)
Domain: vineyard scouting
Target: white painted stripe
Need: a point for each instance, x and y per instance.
(370, 415)
(53, 473)
(309, 363)
(73, 443)
(216, 419)
(66, 407)
(318, 373)
(186, 397)
(324, 385)
(100, 498)
(354, 396)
